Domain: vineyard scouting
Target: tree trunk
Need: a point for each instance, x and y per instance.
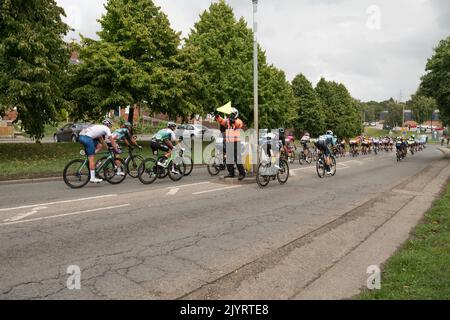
(131, 118)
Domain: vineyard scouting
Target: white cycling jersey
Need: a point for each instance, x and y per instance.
(305, 139)
(96, 131)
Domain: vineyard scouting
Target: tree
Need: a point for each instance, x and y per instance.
(394, 117)
(33, 61)
(277, 108)
(136, 59)
(422, 107)
(436, 83)
(223, 49)
(311, 115)
(342, 114)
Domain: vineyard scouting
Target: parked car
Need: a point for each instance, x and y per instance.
(70, 132)
(191, 131)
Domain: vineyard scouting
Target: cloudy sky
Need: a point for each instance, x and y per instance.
(377, 48)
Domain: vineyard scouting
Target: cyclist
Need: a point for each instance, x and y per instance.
(123, 135)
(164, 140)
(412, 143)
(290, 145)
(322, 144)
(342, 147)
(306, 138)
(93, 138)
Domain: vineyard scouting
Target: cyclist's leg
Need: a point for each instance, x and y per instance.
(169, 145)
(89, 147)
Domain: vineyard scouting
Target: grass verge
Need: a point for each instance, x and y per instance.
(421, 269)
(31, 160)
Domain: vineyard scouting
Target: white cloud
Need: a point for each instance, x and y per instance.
(375, 47)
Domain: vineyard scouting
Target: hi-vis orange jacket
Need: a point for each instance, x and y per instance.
(233, 131)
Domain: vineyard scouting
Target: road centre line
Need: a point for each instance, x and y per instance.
(58, 202)
(218, 189)
(65, 214)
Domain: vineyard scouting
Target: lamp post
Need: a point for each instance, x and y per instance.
(255, 81)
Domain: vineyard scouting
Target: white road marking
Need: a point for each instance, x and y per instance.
(65, 214)
(24, 215)
(190, 185)
(299, 169)
(214, 190)
(173, 191)
(59, 202)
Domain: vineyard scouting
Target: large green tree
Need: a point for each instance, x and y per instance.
(436, 83)
(311, 114)
(223, 48)
(342, 114)
(394, 117)
(135, 62)
(33, 61)
(422, 107)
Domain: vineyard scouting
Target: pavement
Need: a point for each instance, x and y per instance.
(202, 238)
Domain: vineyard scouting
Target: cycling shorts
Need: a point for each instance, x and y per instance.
(322, 146)
(89, 144)
(159, 145)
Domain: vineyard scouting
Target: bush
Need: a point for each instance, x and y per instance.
(148, 128)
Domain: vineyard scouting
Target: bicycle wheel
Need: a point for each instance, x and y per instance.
(147, 171)
(132, 164)
(213, 166)
(283, 173)
(262, 177)
(291, 156)
(76, 174)
(110, 171)
(98, 165)
(176, 170)
(162, 172)
(301, 158)
(309, 158)
(189, 164)
(320, 167)
(333, 166)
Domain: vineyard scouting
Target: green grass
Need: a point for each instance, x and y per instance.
(31, 160)
(374, 132)
(421, 269)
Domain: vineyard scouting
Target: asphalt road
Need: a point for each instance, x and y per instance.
(197, 238)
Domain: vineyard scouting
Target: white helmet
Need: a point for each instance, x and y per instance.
(171, 124)
(107, 123)
(234, 113)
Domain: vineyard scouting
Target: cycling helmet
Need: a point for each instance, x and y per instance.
(234, 113)
(107, 123)
(127, 124)
(171, 124)
(329, 132)
(281, 130)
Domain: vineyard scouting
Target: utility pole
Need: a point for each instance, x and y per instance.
(255, 81)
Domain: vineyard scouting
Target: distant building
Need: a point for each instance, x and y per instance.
(435, 115)
(408, 115)
(383, 115)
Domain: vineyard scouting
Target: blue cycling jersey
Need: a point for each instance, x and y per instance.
(328, 138)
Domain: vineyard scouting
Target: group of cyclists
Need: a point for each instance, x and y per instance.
(275, 143)
(96, 137)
